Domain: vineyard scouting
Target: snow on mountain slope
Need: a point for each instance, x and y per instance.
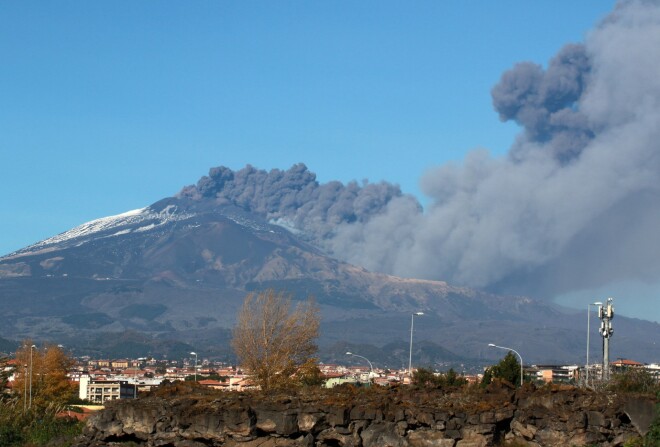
(140, 220)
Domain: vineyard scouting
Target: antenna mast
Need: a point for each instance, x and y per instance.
(606, 313)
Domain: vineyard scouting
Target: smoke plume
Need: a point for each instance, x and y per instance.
(575, 203)
(296, 200)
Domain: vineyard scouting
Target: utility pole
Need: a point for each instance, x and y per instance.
(31, 368)
(25, 384)
(606, 313)
(412, 322)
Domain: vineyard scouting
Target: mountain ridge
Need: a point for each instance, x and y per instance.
(180, 268)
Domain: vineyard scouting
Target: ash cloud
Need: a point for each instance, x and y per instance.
(296, 200)
(575, 204)
(544, 103)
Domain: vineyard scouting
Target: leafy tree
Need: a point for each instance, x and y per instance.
(35, 426)
(212, 376)
(5, 372)
(425, 377)
(273, 340)
(634, 380)
(507, 369)
(452, 378)
(488, 377)
(310, 374)
(23, 424)
(44, 372)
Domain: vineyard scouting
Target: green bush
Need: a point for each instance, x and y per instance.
(634, 380)
(507, 369)
(427, 378)
(34, 427)
(652, 438)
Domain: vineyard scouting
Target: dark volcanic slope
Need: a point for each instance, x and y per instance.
(181, 268)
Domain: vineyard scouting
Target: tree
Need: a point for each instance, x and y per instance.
(5, 372)
(272, 340)
(427, 378)
(45, 369)
(634, 380)
(452, 378)
(507, 369)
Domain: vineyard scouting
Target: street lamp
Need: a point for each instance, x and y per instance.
(597, 303)
(25, 369)
(513, 350)
(31, 348)
(412, 322)
(371, 367)
(195, 354)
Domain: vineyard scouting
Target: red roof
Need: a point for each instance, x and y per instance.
(86, 412)
(625, 362)
(209, 382)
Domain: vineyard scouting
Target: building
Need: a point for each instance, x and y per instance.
(119, 364)
(215, 384)
(622, 364)
(554, 373)
(101, 391)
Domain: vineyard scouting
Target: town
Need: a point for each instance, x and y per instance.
(101, 380)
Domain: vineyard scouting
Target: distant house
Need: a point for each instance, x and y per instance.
(101, 391)
(133, 372)
(554, 373)
(625, 363)
(334, 381)
(240, 383)
(382, 381)
(119, 364)
(215, 384)
(81, 412)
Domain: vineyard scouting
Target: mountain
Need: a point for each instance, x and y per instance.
(178, 270)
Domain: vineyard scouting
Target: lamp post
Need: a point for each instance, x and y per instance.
(371, 367)
(597, 303)
(412, 322)
(31, 348)
(195, 354)
(25, 369)
(519, 356)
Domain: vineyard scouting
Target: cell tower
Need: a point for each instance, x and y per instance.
(606, 313)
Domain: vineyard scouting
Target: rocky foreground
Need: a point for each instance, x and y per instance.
(183, 415)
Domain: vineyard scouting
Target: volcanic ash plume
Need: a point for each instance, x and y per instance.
(576, 203)
(294, 199)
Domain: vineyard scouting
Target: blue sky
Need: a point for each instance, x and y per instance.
(110, 106)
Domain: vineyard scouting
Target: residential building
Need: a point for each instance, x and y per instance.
(101, 391)
(554, 373)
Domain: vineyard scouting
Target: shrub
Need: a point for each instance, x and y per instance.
(427, 378)
(634, 380)
(36, 426)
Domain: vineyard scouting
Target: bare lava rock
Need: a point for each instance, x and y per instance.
(185, 415)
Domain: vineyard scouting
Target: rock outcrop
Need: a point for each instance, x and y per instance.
(350, 417)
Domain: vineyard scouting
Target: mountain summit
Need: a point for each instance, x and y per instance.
(179, 269)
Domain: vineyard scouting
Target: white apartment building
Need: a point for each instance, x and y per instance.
(101, 391)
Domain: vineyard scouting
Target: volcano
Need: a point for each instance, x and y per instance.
(179, 269)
